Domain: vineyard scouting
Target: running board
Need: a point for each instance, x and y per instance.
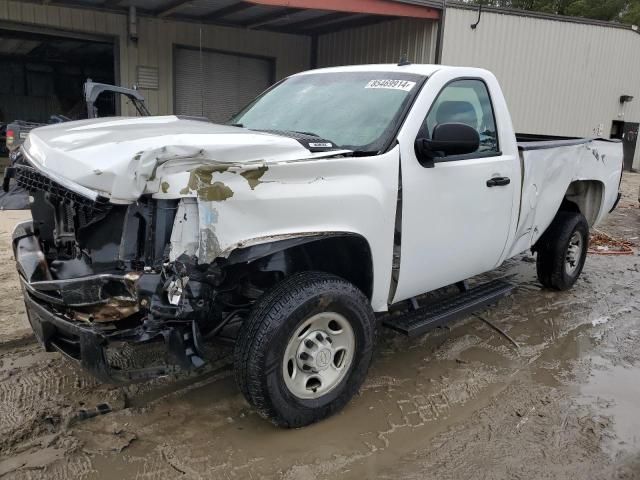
(438, 313)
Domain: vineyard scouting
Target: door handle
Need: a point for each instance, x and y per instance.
(498, 182)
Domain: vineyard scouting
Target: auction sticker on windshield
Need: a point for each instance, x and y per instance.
(405, 85)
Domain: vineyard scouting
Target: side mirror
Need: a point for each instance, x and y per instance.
(448, 139)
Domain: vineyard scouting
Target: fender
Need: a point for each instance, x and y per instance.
(344, 254)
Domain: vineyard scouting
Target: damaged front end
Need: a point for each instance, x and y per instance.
(96, 275)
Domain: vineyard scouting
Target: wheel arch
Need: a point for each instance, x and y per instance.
(345, 254)
(585, 197)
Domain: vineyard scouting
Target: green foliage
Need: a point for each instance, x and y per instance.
(625, 11)
(632, 13)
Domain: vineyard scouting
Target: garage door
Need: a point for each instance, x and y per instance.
(43, 75)
(217, 85)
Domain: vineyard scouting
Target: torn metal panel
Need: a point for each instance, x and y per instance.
(550, 175)
(185, 234)
(254, 175)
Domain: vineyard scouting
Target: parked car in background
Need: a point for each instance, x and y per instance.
(18, 130)
(332, 202)
(14, 197)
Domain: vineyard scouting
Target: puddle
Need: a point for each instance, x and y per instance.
(615, 390)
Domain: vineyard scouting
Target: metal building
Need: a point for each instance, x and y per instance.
(561, 76)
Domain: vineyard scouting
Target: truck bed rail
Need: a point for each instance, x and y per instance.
(528, 142)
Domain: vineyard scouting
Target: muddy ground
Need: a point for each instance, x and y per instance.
(457, 403)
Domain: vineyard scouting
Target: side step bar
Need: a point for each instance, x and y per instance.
(438, 313)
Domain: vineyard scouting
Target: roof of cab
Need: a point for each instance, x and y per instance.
(416, 68)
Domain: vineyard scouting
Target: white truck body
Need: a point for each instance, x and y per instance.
(337, 194)
(240, 188)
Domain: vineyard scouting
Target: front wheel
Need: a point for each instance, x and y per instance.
(562, 251)
(305, 348)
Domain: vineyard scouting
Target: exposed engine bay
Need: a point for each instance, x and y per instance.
(107, 268)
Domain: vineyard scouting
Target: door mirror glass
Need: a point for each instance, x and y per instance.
(448, 139)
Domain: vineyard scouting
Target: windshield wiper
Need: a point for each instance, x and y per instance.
(299, 132)
(311, 134)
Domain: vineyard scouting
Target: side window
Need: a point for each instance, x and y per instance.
(468, 102)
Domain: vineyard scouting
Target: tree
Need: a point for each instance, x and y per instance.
(626, 11)
(632, 14)
(610, 10)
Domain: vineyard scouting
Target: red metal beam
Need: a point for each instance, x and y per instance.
(372, 7)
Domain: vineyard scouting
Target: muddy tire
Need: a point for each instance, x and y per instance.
(305, 349)
(562, 251)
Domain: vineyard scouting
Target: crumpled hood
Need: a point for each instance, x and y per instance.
(117, 156)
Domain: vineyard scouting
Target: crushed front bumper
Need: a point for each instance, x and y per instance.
(86, 346)
(90, 343)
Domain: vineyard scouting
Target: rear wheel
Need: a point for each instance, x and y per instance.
(305, 348)
(562, 251)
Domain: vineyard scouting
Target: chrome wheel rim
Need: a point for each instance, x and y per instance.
(318, 355)
(574, 253)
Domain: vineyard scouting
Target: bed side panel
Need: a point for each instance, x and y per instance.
(548, 172)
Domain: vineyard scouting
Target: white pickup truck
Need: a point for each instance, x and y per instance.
(327, 206)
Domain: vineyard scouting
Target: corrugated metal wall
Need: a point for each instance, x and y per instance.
(558, 77)
(218, 85)
(292, 53)
(380, 43)
(156, 41)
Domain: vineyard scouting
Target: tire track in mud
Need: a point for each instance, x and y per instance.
(41, 395)
(156, 467)
(559, 438)
(436, 401)
(33, 397)
(78, 466)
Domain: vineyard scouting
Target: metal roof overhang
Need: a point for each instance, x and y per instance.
(303, 17)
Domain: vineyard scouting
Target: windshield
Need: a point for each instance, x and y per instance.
(354, 110)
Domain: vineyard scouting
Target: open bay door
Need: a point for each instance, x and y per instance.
(217, 85)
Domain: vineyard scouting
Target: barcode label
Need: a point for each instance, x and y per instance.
(405, 85)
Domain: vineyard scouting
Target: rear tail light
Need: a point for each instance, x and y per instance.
(9, 137)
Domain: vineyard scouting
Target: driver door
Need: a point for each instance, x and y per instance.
(456, 217)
